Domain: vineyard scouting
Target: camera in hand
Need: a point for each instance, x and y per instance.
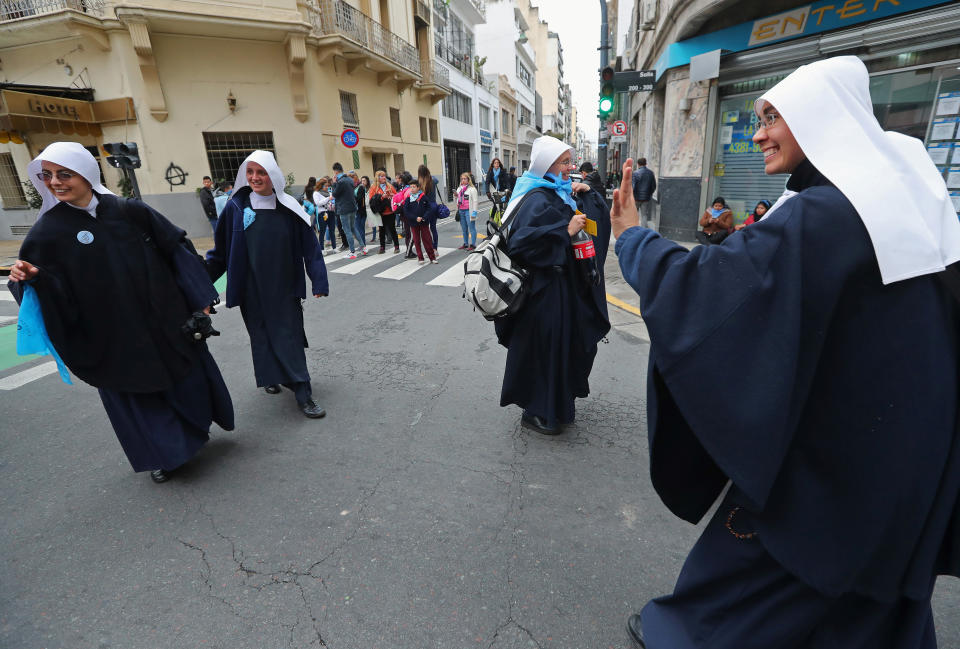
(199, 327)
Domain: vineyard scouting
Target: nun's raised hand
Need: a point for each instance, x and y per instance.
(23, 270)
(579, 188)
(623, 210)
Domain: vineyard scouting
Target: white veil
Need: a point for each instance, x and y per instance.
(72, 156)
(266, 160)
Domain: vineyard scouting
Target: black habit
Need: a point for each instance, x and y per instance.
(552, 341)
(114, 292)
(840, 430)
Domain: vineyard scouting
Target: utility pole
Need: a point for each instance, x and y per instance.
(604, 60)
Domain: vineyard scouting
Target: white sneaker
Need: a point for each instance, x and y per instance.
(421, 262)
(434, 261)
(363, 251)
(350, 255)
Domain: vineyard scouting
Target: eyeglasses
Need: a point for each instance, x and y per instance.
(62, 175)
(769, 120)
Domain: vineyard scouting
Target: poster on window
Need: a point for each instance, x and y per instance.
(940, 153)
(948, 103)
(944, 129)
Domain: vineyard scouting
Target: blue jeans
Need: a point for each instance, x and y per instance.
(468, 226)
(347, 221)
(327, 226)
(360, 229)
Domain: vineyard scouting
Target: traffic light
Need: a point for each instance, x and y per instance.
(123, 155)
(606, 92)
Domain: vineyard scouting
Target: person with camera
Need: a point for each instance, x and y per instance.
(123, 298)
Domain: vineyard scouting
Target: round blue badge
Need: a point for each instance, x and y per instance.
(85, 237)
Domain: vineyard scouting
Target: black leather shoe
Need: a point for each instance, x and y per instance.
(538, 425)
(272, 389)
(312, 410)
(635, 631)
(159, 476)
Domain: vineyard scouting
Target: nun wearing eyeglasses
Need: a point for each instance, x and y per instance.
(264, 241)
(122, 298)
(844, 466)
(552, 341)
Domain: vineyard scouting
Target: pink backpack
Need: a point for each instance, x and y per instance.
(399, 197)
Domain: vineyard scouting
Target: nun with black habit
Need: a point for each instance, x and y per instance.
(844, 466)
(123, 299)
(264, 241)
(552, 341)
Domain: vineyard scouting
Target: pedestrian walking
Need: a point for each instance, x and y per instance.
(120, 292)
(381, 195)
(346, 206)
(207, 202)
(360, 218)
(264, 242)
(844, 465)
(220, 200)
(552, 341)
(430, 184)
(467, 205)
(644, 184)
(497, 179)
(419, 208)
(326, 218)
(372, 217)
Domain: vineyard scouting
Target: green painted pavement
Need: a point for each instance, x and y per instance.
(8, 348)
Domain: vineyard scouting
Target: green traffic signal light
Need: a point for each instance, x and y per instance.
(606, 91)
(606, 105)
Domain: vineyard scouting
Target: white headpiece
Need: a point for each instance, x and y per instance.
(266, 160)
(888, 177)
(544, 152)
(72, 156)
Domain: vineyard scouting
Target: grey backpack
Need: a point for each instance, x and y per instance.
(492, 282)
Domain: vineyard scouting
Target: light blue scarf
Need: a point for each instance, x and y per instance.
(528, 181)
(496, 177)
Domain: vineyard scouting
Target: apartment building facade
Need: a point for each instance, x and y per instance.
(198, 85)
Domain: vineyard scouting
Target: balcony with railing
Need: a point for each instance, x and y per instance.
(436, 80)
(346, 31)
(15, 9)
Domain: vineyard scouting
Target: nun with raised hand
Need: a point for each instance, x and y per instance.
(123, 299)
(552, 341)
(844, 466)
(264, 241)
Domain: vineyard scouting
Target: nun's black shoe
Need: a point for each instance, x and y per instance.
(272, 389)
(312, 410)
(159, 475)
(538, 425)
(635, 631)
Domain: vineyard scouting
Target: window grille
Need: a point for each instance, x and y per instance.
(226, 151)
(379, 162)
(434, 131)
(524, 74)
(395, 122)
(398, 164)
(348, 108)
(11, 191)
(525, 115)
(423, 129)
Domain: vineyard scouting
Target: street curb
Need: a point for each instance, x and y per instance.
(617, 302)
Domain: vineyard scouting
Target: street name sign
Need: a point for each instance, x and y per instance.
(635, 81)
(618, 139)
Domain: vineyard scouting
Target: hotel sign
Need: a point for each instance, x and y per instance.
(31, 105)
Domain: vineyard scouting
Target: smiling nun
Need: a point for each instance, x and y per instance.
(844, 464)
(116, 283)
(263, 241)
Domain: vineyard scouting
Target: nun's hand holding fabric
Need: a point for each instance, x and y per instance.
(623, 210)
(579, 188)
(23, 270)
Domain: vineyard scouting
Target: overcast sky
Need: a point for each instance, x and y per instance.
(578, 24)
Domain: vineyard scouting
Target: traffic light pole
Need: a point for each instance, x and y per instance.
(132, 175)
(604, 60)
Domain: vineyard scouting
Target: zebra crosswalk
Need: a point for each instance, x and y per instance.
(450, 266)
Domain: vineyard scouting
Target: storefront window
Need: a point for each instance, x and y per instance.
(922, 103)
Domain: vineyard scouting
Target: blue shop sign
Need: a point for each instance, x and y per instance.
(803, 21)
(485, 137)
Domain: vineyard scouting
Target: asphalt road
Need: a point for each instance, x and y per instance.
(416, 514)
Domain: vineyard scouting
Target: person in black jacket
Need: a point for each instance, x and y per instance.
(592, 178)
(644, 184)
(345, 202)
(497, 179)
(207, 202)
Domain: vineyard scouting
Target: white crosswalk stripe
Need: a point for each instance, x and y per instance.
(363, 263)
(453, 276)
(408, 267)
(6, 296)
(14, 381)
